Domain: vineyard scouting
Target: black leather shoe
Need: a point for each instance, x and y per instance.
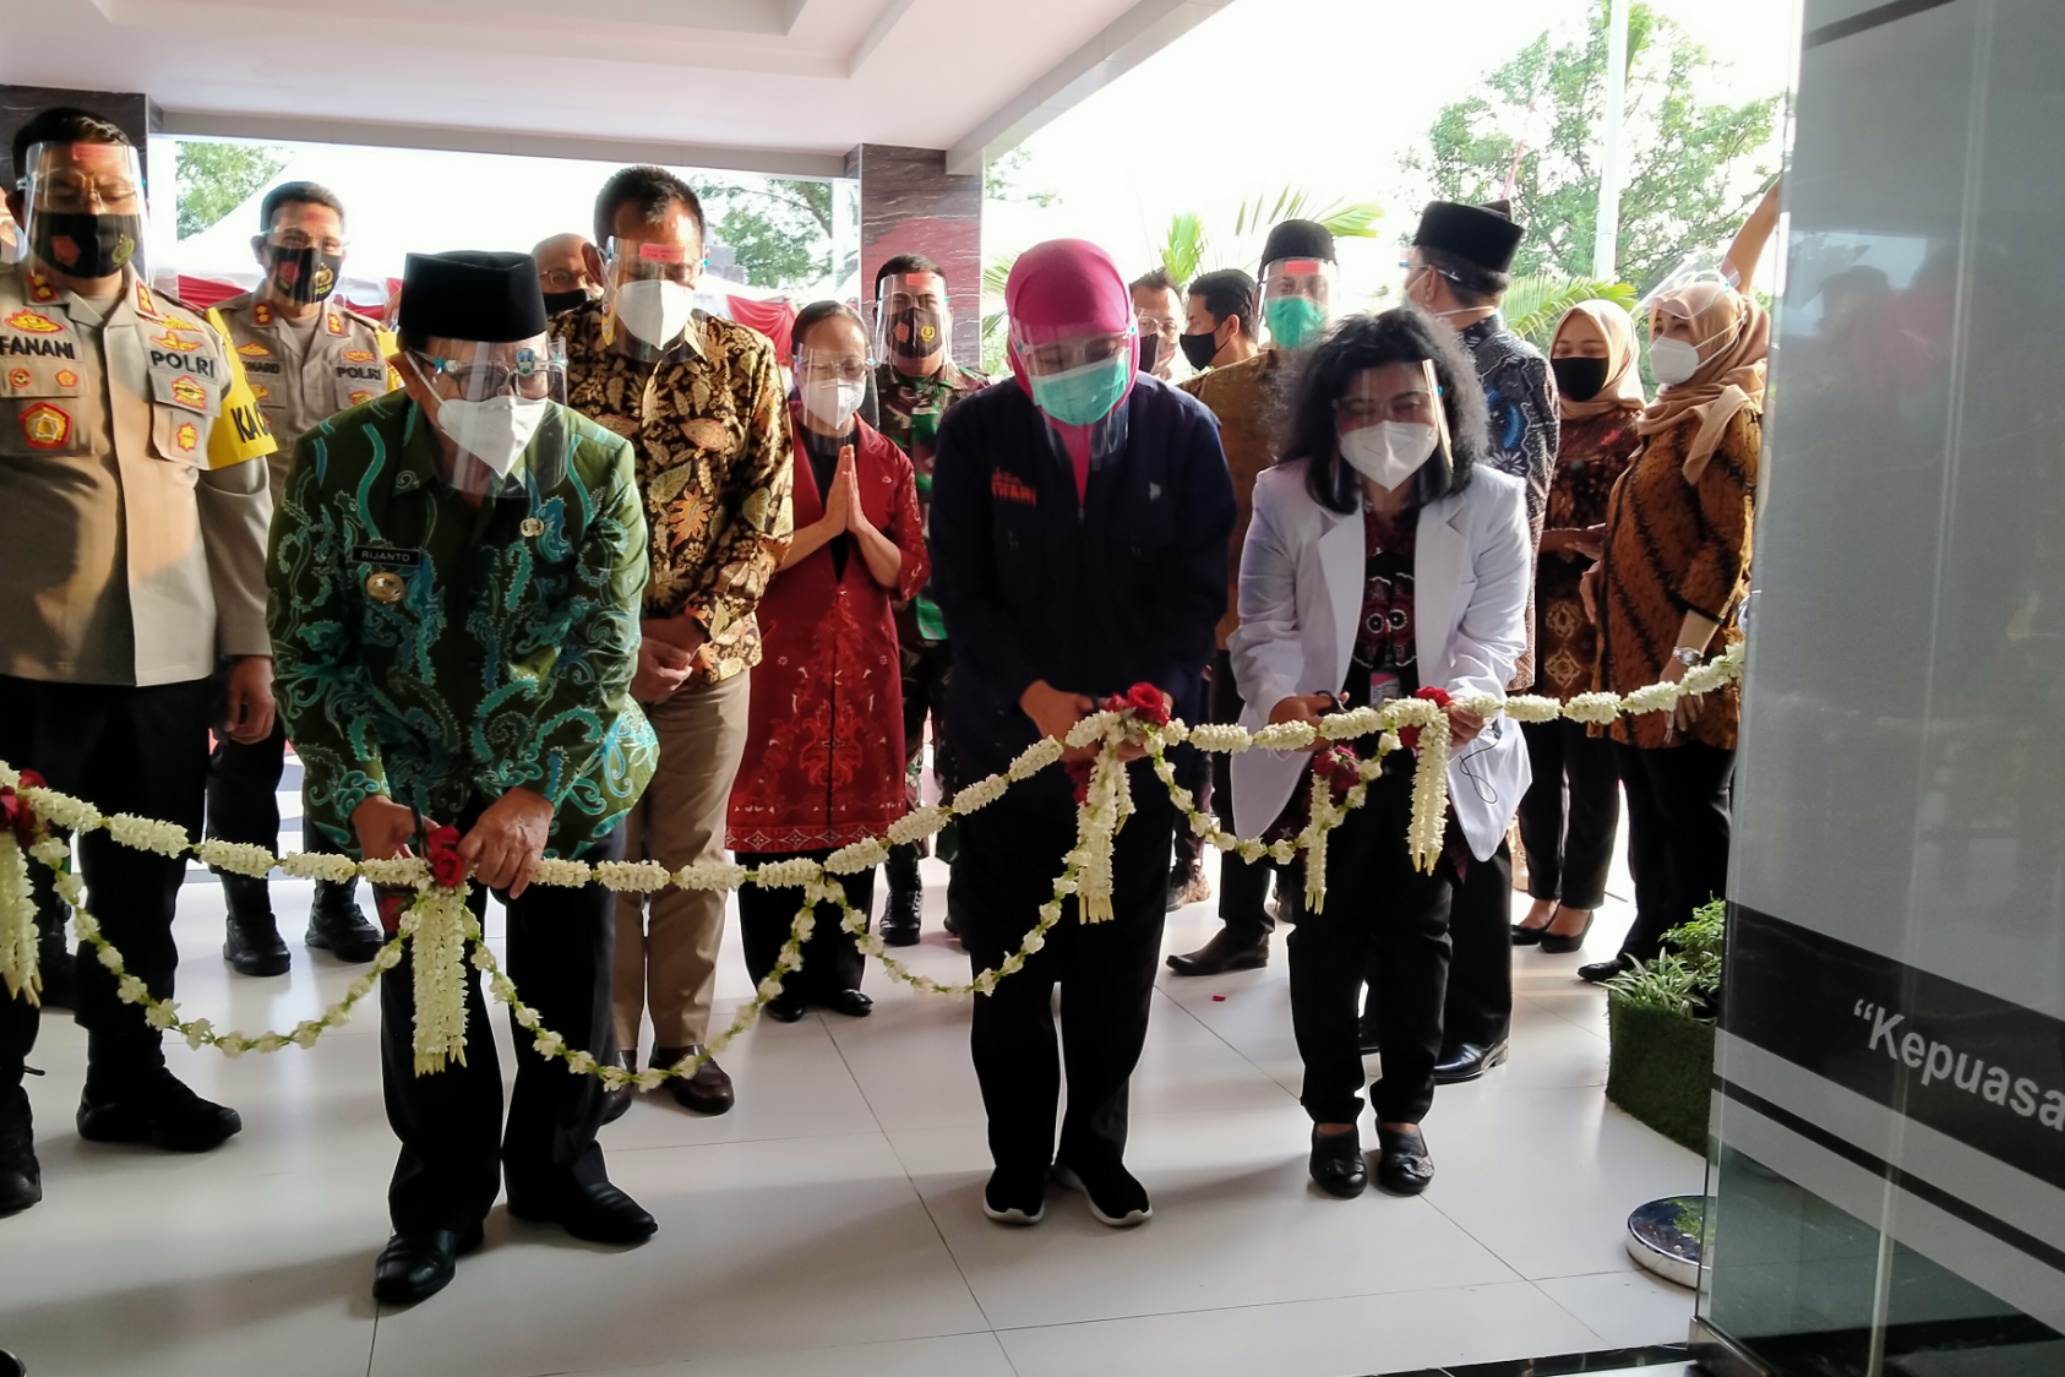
(785, 1009)
(1225, 952)
(617, 1103)
(1403, 1166)
(336, 924)
(1559, 944)
(251, 939)
(161, 1111)
(1117, 1199)
(708, 1091)
(1599, 972)
(416, 1266)
(954, 922)
(1187, 885)
(851, 1003)
(21, 1179)
(1524, 936)
(1337, 1166)
(1366, 1040)
(1015, 1199)
(597, 1214)
(1467, 1061)
(903, 917)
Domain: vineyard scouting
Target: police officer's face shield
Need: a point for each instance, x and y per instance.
(914, 323)
(501, 407)
(303, 253)
(1079, 377)
(651, 294)
(1298, 300)
(84, 209)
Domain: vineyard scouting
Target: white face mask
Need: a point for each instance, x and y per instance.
(1388, 452)
(496, 431)
(1673, 361)
(832, 402)
(655, 310)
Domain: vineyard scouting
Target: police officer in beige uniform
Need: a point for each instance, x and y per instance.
(134, 529)
(307, 357)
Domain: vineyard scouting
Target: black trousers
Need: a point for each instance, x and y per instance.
(831, 959)
(1680, 801)
(561, 942)
(243, 794)
(1105, 971)
(1570, 814)
(1386, 919)
(928, 672)
(1480, 973)
(124, 750)
(1243, 885)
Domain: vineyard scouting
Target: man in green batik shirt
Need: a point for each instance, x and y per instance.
(456, 575)
(916, 383)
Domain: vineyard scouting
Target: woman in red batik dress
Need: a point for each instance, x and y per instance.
(823, 766)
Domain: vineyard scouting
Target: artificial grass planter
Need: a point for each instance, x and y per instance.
(1660, 1020)
(1660, 1068)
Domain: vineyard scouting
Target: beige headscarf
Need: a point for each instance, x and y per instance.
(1730, 378)
(1623, 389)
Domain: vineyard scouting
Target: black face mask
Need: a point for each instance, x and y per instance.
(916, 335)
(304, 275)
(81, 244)
(1579, 379)
(555, 302)
(1150, 352)
(1200, 349)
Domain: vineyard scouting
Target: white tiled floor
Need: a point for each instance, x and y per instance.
(832, 1223)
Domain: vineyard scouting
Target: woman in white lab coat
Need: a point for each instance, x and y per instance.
(1382, 559)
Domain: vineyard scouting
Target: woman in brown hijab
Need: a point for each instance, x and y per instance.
(1672, 574)
(1571, 813)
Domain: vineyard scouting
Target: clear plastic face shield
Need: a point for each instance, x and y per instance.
(303, 253)
(499, 406)
(1297, 300)
(1159, 316)
(1078, 376)
(651, 294)
(832, 373)
(1390, 424)
(1676, 350)
(84, 204)
(914, 323)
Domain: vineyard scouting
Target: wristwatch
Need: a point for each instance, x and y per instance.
(1687, 656)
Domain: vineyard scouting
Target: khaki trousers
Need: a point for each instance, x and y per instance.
(667, 942)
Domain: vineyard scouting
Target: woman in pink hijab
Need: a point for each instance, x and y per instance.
(1079, 527)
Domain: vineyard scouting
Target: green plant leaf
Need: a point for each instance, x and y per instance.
(1537, 302)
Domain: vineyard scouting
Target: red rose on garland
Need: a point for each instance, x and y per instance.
(1148, 704)
(1409, 737)
(16, 813)
(1340, 767)
(441, 848)
(1079, 775)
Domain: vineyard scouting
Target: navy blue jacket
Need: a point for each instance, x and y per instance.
(1093, 597)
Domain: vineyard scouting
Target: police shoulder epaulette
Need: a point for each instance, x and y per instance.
(352, 313)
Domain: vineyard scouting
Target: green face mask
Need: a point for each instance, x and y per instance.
(1294, 320)
(1079, 396)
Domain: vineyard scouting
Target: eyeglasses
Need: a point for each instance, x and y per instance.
(846, 369)
(529, 378)
(563, 279)
(66, 190)
(1159, 325)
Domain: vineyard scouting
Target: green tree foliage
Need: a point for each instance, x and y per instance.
(1690, 168)
(1535, 305)
(1003, 178)
(996, 274)
(213, 179)
(780, 228)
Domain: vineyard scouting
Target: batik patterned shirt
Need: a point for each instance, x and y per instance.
(710, 426)
(443, 653)
(1520, 393)
(910, 411)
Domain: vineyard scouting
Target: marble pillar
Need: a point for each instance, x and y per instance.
(908, 204)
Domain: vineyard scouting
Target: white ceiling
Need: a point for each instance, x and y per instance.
(773, 85)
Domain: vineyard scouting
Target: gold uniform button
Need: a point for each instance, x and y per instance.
(385, 587)
(532, 527)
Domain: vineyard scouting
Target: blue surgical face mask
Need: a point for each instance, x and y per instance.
(1085, 394)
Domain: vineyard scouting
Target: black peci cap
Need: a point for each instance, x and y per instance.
(1484, 235)
(489, 298)
(1298, 239)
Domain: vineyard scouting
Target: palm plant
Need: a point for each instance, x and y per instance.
(1190, 245)
(995, 325)
(1536, 302)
